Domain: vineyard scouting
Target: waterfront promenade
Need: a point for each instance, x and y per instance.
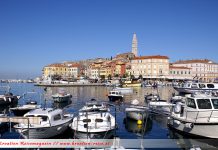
(68, 84)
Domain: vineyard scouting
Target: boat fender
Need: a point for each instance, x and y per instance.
(177, 108)
(177, 122)
(5, 99)
(9, 99)
(59, 128)
(189, 125)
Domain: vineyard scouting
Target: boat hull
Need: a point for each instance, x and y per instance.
(20, 112)
(115, 98)
(97, 135)
(43, 132)
(9, 100)
(135, 115)
(61, 99)
(208, 130)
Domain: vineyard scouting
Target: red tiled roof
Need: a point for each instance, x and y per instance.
(74, 65)
(179, 67)
(192, 61)
(64, 65)
(151, 57)
(124, 54)
(56, 65)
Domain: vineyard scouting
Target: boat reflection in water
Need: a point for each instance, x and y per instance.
(140, 129)
(190, 142)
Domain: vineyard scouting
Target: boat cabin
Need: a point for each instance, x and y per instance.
(198, 108)
(194, 85)
(48, 116)
(114, 93)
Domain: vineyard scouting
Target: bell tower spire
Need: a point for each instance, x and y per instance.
(135, 45)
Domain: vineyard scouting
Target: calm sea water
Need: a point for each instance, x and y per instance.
(155, 128)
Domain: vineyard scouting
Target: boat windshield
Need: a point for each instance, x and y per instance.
(44, 118)
(191, 103)
(215, 103)
(204, 104)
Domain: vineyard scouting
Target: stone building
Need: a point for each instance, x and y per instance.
(202, 69)
(150, 66)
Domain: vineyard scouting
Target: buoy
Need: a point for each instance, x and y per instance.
(139, 122)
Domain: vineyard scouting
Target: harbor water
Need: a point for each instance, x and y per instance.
(155, 127)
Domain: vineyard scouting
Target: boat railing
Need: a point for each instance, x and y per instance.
(202, 115)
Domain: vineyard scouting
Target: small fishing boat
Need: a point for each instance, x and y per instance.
(61, 96)
(151, 97)
(7, 98)
(21, 110)
(44, 123)
(115, 95)
(132, 83)
(160, 107)
(139, 129)
(136, 112)
(30, 99)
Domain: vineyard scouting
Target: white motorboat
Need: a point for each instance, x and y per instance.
(31, 99)
(7, 97)
(21, 110)
(88, 124)
(61, 96)
(94, 106)
(151, 97)
(160, 107)
(135, 111)
(115, 95)
(192, 87)
(198, 116)
(44, 123)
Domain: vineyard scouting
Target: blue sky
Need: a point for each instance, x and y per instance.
(34, 33)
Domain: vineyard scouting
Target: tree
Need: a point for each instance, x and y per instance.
(109, 77)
